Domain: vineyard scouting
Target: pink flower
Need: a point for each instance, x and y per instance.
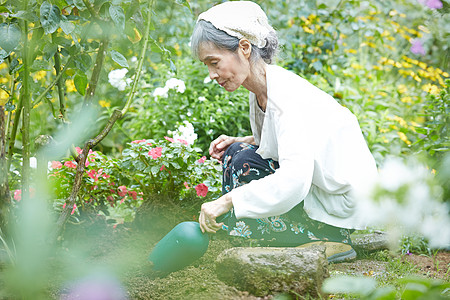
(93, 174)
(186, 185)
(183, 141)
(73, 209)
(79, 150)
(155, 152)
(162, 168)
(169, 139)
(86, 163)
(64, 205)
(202, 160)
(138, 141)
(434, 4)
(70, 164)
(123, 199)
(104, 175)
(133, 194)
(56, 165)
(18, 195)
(201, 189)
(122, 191)
(417, 47)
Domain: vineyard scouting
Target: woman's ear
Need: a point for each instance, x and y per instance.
(245, 47)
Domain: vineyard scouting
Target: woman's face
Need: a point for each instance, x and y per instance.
(229, 69)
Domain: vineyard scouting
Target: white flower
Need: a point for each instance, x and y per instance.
(33, 162)
(176, 84)
(185, 132)
(133, 59)
(207, 79)
(161, 92)
(201, 98)
(117, 79)
(405, 200)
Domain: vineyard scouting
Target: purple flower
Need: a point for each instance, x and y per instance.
(434, 4)
(417, 47)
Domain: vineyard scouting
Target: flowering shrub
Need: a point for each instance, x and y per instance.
(170, 168)
(100, 189)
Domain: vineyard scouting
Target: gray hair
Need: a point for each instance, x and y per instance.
(204, 31)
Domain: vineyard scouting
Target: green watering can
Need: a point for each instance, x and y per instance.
(184, 244)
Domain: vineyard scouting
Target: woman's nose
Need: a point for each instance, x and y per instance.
(212, 74)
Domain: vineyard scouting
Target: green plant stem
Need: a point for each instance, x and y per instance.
(26, 99)
(12, 135)
(96, 72)
(39, 99)
(62, 106)
(141, 59)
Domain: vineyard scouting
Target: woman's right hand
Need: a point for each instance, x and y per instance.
(220, 145)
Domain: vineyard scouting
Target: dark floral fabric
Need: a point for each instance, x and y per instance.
(241, 164)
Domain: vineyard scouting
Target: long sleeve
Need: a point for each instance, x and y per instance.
(320, 149)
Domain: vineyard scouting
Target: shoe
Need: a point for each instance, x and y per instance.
(335, 252)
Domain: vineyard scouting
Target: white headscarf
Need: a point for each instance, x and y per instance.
(241, 19)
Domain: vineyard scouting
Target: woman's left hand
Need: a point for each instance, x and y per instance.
(211, 210)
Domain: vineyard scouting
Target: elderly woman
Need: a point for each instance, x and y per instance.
(292, 182)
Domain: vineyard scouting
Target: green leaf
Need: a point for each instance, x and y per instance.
(10, 34)
(50, 17)
(119, 58)
(80, 82)
(79, 4)
(49, 51)
(67, 26)
(118, 16)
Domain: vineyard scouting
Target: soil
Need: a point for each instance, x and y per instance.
(122, 252)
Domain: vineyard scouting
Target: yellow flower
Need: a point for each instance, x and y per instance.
(291, 22)
(388, 47)
(104, 103)
(384, 140)
(381, 93)
(4, 96)
(403, 137)
(406, 65)
(177, 49)
(3, 66)
(431, 88)
(164, 21)
(377, 67)
(423, 65)
(3, 80)
(402, 89)
(356, 66)
(308, 30)
(39, 75)
(406, 99)
(445, 74)
(352, 51)
(383, 130)
(424, 29)
(398, 65)
(70, 86)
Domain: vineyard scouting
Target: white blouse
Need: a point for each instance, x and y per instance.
(320, 148)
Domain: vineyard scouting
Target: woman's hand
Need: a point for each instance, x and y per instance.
(211, 210)
(220, 145)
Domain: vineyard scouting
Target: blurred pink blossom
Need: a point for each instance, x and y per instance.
(417, 47)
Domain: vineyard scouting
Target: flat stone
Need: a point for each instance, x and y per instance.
(370, 242)
(267, 270)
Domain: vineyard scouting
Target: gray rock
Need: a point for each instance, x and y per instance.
(267, 270)
(370, 242)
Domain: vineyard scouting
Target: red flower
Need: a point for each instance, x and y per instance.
(73, 209)
(56, 165)
(169, 139)
(17, 195)
(202, 160)
(201, 189)
(186, 185)
(133, 194)
(155, 152)
(138, 141)
(162, 168)
(123, 191)
(183, 141)
(70, 164)
(93, 174)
